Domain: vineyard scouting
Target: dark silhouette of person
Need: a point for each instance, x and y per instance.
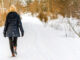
(12, 29)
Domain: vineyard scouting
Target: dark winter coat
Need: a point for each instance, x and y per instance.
(13, 25)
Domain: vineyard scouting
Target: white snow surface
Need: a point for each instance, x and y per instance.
(42, 42)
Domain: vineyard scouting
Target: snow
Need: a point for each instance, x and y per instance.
(43, 42)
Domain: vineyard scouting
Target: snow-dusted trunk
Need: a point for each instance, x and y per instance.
(2, 6)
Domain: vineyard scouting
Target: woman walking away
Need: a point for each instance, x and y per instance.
(11, 29)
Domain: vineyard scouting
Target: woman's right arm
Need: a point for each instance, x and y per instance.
(20, 25)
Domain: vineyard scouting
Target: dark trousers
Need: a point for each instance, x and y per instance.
(13, 43)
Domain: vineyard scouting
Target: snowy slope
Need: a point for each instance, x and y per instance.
(41, 43)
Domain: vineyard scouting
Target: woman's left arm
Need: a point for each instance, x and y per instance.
(5, 26)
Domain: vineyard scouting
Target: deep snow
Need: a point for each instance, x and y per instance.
(42, 42)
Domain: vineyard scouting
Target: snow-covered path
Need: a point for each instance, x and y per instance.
(41, 43)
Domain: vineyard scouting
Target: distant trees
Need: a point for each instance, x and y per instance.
(63, 7)
(45, 8)
(50, 7)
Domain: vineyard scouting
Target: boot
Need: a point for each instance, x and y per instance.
(13, 55)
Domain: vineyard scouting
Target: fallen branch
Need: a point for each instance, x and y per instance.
(73, 29)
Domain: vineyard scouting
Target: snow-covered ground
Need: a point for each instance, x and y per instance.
(43, 42)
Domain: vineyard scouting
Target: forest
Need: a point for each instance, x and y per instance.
(44, 8)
